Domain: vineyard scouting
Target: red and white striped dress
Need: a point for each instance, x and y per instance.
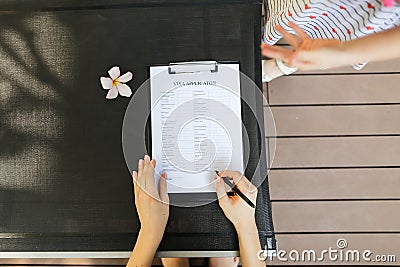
(341, 19)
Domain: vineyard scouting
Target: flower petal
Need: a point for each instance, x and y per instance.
(106, 82)
(113, 93)
(125, 77)
(124, 90)
(114, 72)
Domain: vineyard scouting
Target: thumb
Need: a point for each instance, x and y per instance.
(221, 192)
(162, 186)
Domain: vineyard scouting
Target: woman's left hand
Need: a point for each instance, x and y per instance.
(151, 204)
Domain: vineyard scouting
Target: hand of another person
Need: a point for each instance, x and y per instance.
(152, 207)
(235, 208)
(308, 53)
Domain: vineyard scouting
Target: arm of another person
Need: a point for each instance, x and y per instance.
(153, 211)
(311, 54)
(380, 46)
(242, 217)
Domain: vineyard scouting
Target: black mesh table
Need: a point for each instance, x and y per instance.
(65, 190)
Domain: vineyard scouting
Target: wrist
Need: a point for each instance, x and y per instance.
(350, 52)
(246, 227)
(144, 250)
(152, 235)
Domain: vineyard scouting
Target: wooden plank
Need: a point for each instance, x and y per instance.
(336, 216)
(334, 184)
(336, 120)
(336, 152)
(335, 89)
(379, 244)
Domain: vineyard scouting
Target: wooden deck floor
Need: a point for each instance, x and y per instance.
(336, 171)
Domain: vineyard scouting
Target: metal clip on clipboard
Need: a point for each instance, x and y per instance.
(193, 67)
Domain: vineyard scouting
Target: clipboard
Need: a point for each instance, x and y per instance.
(193, 67)
(183, 78)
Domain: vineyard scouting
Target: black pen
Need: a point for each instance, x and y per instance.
(234, 188)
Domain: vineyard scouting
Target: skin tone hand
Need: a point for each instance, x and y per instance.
(310, 54)
(242, 216)
(302, 44)
(153, 210)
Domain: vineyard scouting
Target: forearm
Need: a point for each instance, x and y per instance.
(380, 46)
(249, 244)
(144, 251)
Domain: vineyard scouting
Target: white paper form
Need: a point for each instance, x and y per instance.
(196, 124)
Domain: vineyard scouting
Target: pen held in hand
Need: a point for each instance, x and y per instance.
(235, 189)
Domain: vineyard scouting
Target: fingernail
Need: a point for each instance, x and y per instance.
(134, 175)
(140, 162)
(146, 157)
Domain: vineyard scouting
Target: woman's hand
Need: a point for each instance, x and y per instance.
(242, 216)
(322, 54)
(308, 53)
(152, 207)
(153, 210)
(234, 207)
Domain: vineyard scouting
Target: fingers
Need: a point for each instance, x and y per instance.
(277, 52)
(299, 31)
(153, 163)
(144, 180)
(163, 188)
(235, 175)
(290, 38)
(239, 180)
(221, 193)
(148, 173)
(140, 166)
(145, 177)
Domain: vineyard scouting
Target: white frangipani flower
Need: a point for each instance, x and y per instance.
(116, 84)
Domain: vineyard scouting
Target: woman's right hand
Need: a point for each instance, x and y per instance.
(242, 216)
(234, 207)
(307, 53)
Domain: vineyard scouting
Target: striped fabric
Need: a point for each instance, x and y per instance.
(342, 19)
